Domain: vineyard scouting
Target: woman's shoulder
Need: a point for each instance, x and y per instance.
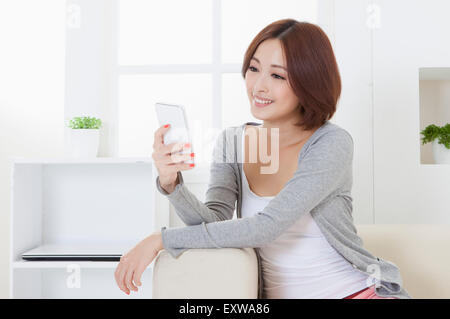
(333, 133)
(330, 141)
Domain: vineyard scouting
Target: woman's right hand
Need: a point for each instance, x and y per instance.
(167, 160)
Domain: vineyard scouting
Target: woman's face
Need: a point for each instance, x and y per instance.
(270, 82)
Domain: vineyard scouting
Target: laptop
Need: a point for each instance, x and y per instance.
(77, 252)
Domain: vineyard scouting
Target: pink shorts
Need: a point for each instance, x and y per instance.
(368, 293)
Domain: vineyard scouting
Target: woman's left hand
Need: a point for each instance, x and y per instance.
(133, 263)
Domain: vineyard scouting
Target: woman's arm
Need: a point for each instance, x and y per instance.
(321, 173)
(221, 195)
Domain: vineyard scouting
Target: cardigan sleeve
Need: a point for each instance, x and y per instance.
(320, 174)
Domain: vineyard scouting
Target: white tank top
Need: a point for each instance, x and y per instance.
(301, 263)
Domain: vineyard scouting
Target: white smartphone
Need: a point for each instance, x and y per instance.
(175, 115)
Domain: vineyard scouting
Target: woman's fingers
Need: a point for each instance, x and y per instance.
(138, 274)
(165, 150)
(129, 279)
(169, 158)
(173, 148)
(131, 266)
(119, 275)
(116, 275)
(178, 158)
(159, 136)
(182, 166)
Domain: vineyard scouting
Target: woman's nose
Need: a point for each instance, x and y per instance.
(260, 85)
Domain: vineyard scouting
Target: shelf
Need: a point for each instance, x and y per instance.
(93, 202)
(61, 279)
(98, 160)
(199, 174)
(98, 201)
(434, 74)
(24, 264)
(434, 98)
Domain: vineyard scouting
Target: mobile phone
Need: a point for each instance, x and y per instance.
(175, 115)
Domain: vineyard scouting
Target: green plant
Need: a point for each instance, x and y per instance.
(85, 122)
(431, 132)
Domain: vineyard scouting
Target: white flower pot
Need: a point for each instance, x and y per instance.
(84, 143)
(441, 154)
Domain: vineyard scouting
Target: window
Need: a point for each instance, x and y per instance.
(189, 53)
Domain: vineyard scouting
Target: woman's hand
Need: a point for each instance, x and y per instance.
(133, 263)
(167, 160)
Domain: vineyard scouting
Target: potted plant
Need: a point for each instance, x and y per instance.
(440, 137)
(84, 136)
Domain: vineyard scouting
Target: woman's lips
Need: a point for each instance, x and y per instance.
(261, 105)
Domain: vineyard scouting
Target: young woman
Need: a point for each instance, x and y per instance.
(297, 214)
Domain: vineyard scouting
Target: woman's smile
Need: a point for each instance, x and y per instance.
(261, 102)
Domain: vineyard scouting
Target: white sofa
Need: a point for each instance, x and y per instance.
(422, 252)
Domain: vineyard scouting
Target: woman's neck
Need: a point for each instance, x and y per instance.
(288, 134)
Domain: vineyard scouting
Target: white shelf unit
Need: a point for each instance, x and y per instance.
(69, 201)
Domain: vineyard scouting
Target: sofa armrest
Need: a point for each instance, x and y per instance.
(206, 274)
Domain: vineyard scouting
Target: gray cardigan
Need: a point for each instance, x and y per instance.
(321, 185)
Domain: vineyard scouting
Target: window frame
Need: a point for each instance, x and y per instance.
(216, 69)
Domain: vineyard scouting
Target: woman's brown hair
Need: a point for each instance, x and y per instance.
(312, 69)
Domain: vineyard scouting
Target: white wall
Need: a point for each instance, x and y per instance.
(31, 95)
(380, 46)
(411, 36)
(352, 48)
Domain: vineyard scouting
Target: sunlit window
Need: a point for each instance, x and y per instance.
(158, 37)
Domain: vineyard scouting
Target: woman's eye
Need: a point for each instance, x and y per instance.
(276, 75)
(279, 77)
